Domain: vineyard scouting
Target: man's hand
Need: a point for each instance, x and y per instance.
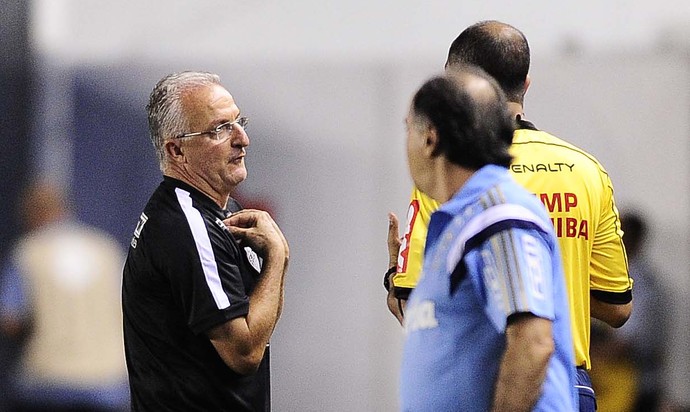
(241, 342)
(394, 240)
(395, 305)
(256, 228)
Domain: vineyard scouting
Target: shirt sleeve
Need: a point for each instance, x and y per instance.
(411, 255)
(609, 266)
(205, 271)
(512, 272)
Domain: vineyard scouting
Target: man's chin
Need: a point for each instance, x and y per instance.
(238, 176)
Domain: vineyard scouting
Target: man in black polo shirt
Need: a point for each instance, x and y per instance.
(202, 291)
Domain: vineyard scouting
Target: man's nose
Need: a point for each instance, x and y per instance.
(242, 138)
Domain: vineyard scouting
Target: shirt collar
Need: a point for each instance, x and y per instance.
(523, 123)
(196, 194)
(474, 186)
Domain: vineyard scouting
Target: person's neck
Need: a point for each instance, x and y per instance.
(221, 199)
(516, 109)
(448, 179)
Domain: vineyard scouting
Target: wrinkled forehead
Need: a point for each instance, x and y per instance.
(209, 103)
(206, 96)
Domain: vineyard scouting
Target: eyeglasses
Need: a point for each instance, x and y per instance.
(222, 131)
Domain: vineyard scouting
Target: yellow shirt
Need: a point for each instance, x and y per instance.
(578, 194)
(411, 254)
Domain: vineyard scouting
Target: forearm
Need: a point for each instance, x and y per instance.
(395, 305)
(518, 383)
(241, 342)
(615, 315)
(523, 369)
(266, 301)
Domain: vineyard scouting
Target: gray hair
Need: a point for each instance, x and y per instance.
(165, 114)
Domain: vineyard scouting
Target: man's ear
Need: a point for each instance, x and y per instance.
(173, 151)
(431, 143)
(528, 81)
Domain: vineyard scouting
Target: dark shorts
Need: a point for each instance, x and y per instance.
(588, 401)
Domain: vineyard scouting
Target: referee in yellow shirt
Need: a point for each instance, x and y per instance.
(573, 186)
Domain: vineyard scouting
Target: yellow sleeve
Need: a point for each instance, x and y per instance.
(411, 255)
(609, 263)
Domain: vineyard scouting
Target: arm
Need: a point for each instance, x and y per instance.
(407, 253)
(614, 314)
(241, 342)
(529, 345)
(610, 283)
(395, 305)
(523, 303)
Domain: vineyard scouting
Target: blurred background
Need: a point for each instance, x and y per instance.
(326, 85)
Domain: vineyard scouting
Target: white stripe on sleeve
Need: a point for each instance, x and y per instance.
(488, 217)
(203, 246)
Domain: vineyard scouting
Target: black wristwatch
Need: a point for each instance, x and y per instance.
(386, 281)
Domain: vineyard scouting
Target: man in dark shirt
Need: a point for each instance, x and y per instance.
(203, 282)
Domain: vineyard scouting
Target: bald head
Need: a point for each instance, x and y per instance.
(478, 87)
(469, 113)
(499, 49)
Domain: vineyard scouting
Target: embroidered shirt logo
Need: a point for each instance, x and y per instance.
(253, 259)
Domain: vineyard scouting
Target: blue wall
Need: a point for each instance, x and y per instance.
(115, 168)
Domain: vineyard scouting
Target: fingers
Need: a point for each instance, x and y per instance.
(393, 239)
(393, 230)
(243, 218)
(237, 232)
(248, 218)
(256, 228)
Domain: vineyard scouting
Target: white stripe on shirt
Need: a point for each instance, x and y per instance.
(488, 217)
(203, 246)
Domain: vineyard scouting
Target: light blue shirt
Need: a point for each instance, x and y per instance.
(490, 253)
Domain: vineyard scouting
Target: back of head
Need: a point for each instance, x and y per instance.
(498, 48)
(165, 111)
(469, 112)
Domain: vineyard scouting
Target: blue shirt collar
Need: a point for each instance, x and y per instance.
(474, 187)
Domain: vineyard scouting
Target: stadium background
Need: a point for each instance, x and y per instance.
(326, 85)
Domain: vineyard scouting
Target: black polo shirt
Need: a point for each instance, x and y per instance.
(184, 275)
